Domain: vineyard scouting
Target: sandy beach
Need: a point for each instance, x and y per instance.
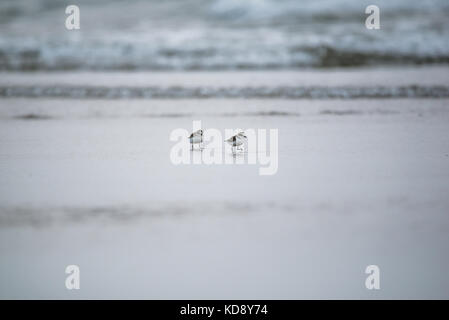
(89, 181)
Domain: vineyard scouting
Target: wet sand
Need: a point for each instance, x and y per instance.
(90, 182)
(385, 76)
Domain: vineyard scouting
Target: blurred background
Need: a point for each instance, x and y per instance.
(220, 34)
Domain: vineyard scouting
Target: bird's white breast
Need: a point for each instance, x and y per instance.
(195, 139)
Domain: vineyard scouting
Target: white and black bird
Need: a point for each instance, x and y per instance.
(196, 138)
(237, 140)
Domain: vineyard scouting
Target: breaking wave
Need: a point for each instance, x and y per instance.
(94, 92)
(221, 35)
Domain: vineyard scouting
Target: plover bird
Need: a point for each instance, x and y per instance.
(196, 138)
(237, 140)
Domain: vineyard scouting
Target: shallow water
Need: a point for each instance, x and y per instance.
(90, 182)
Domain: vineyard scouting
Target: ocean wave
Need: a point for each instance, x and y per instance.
(283, 92)
(221, 35)
(208, 58)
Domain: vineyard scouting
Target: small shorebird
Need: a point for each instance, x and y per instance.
(237, 140)
(196, 137)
